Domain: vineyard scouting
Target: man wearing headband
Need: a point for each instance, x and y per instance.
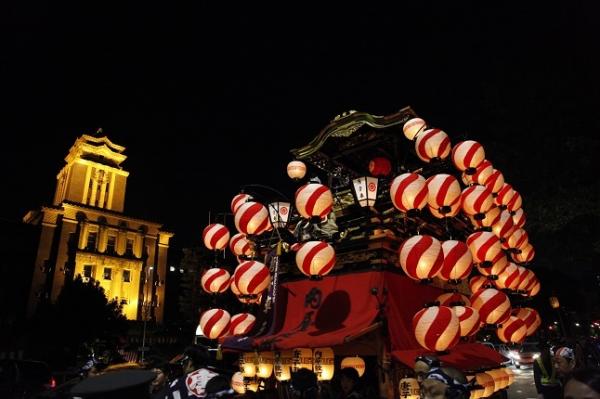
(564, 362)
(423, 364)
(444, 383)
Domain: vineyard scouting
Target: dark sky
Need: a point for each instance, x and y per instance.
(205, 100)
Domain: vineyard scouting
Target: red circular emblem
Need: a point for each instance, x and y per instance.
(372, 186)
(283, 210)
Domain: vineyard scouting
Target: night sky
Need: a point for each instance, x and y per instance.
(206, 101)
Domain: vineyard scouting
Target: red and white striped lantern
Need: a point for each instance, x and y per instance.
(524, 277)
(485, 247)
(477, 283)
(509, 278)
(534, 287)
(215, 236)
(498, 265)
(214, 323)
(512, 330)
(493, 305)
(482, 173)
(519, 218)
(252, 218)
(409, 191)
(495, 181)
(458, 261)
(468, 319)
(251, 277)
(421, 257)
(488, 220)
(526, 255)
(505, 195)
(476, 200)
(515, 202)
(467, 155)
(243, 298)
(314, 200)
(315, 258)
(527, 280)
(516, 241)
(436, 328)
(432, 144)
(296, 170)
(412, 127)
(443, 191)
(239, 200)
(241, 324)
(504, 226)
(240, 245)
(449, 212)
(451, 299)
(215, 280)
(530, 317)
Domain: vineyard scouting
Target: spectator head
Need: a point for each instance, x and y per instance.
(304, 384)
(162, 370)
(584, 384)
(219, 387)
(349, 379)
(445, 382)
(195, 357)
(564, 360)
(423, 364)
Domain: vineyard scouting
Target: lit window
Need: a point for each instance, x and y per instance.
(91, 241)
(87, 271)
(107, 273)
(126, 276)
(110, 244)
(129, 247)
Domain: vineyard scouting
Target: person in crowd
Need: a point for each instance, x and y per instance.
(304, 384)
(564, 362)
(123, 384)
(584, 384)
(350, 383)
(160, 385)
(544, 375)
(192, 384)
(444, 383)
(424, 364)
(219, 387)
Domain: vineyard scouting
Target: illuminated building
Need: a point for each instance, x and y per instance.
(85, 232)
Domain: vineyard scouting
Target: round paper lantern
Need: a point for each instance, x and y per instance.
(408, 192)
(251, 277)
(512, 330)
(315, 258)
(468, 319)
(251, 218)
(265, 364)
(436, 328)
(215, 236)
(526, 255)
(476, 200)
(510, 374)
(443, 191)
(498, 378)
(534, 288)
(488, 220)
(248, 364)
(467, 155)
(487, 382)
(476, 393)
(493, 305)
(412, 127)
(508, 278)
(237, 383)
(525, 276)
(495, 181)
(356, 362)
(448, 212)
(241, 324)
(504, 226)
(240, 245)
(215, 323)
(485, 247)
(238, 200)
(477, 282)
(530, 317)
(432, 144)
(296, 170)
(282, 365)
(323, 362)
(215, 280)
(458, 261)
(519, 218)
(314, 200)
(507, 195)
(302, 358)
(380, 167)
(409, 388)
(515, 202)
(451, 299)
(243, 298)
(482, 173)
(498, 265)
(421, 257)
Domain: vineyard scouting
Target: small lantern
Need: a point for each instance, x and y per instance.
(356, 362)
(296, 170)
(248, 363)
(493, 305)
(215, 236)
(512, 330)
(412, 127)
(510, 374)
(237, 383)
(436, 328)
(279, 214)
(409, 388)
(323, 360)
(215, 323)
(554, 302)
(265, 364)
(314, 200)
(302, 358)
(380, 167)
(421, 257)
(251, 277)
(487, 382)
(365, 190)
(315, 258)
(251, 218)
(282, 365)
(215, 280)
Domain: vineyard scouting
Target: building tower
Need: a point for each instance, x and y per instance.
(85, 232)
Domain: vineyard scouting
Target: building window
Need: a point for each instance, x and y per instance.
(107, 273)
(87, 271)
(91, 241)
(129, 247)
(126, 276)
(111, 244)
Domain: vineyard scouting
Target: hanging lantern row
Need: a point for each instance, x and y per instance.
(282, 364)
(217, 323)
